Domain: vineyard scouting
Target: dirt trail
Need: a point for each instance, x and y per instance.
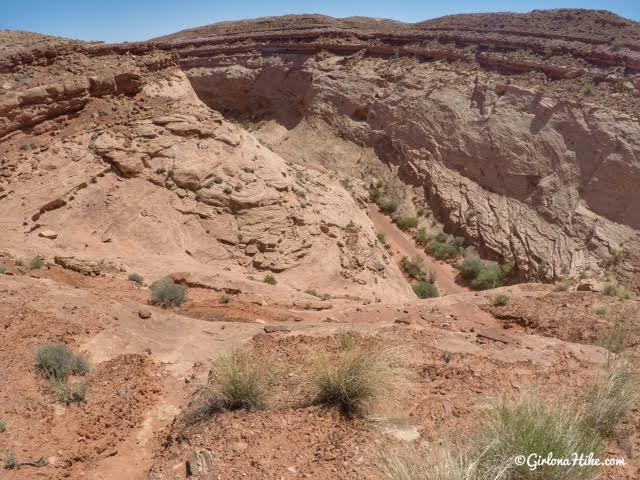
(402, 245)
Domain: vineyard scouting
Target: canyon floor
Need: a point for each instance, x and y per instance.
(284, 171)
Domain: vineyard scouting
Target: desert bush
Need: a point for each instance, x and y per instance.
(599, 309)
(67, 394)
(387, 205)
(442, 250)
(425, 290)
(492, 276)
(136, 277)
(248, 169)
(470, 267)
(360, 376)
(36, 262)
(616, 257)
(3, 426)
(532, 426)
(224, 299)
(500, 300)
(56, 362)
(10, 461)
(19, 262)
(422, 237)
(270, 279)
(413, 268)
(562, 285)
(407, 223)
(613, 290)
(167, 293)
(613, 396)
(3, 269)
(240, 381)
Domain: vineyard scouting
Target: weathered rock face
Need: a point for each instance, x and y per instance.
(544, 180)
(159, 182)
(523, 132)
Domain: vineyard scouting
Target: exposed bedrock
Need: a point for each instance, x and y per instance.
(548, 183)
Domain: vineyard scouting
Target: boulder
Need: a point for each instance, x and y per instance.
(199, 462)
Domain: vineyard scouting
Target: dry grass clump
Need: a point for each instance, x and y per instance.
(56, 362)
(359, 376)
(240, 380)
(532, 427)
(167, 293)
(613, 396)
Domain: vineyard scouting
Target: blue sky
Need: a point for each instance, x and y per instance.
(120, 20)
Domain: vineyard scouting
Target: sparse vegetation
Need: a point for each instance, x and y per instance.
(562, 285)
(613, 396)
(56, 362)
(36, 262)
(470, 267)
(587, 88)
(422, 238)
(360, 376)
(600, 309)
(224, 299)
(533, 427)
(443, 247)
(425, 290)
(407, 223)
(413, 268)
(136, 277)
(616, 257)
(3, 426)
(387, 205)
(10, 461)
(270, 279)
(19, 262)
(3, 269)
(500, 300)
(613, 290)
(248, 169)
(483, 275)
(240, 381)
(167, 293)
(67, 393)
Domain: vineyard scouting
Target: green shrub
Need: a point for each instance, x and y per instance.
(270, 279)
(240, 380)
(470, 267)
(358, 378)
(422, 237)
(610, 290)
(167, 293)
(36, 262)
(3, 426)
(613, 396)
(56, 362)
(136, 277)
(615, 338)
(441, 250)
(413, 268)
(68, 394)
(407, 223)
(500, 300)
(19, 262)
(248, 169)
(387, 205)
(425, 290)
(492, 276)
